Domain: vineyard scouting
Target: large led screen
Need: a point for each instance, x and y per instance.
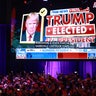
(59, 33)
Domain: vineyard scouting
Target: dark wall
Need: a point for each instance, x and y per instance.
(5, 10)
(3, 29)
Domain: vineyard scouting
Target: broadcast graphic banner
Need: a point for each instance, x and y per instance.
(64, 34)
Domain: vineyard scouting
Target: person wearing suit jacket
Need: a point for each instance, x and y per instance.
(31, 23)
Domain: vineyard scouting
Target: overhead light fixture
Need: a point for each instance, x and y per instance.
(45, 0)
(94, 5)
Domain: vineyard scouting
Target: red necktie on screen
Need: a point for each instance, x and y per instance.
(30, 37)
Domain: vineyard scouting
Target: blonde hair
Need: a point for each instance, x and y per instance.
(33, 14)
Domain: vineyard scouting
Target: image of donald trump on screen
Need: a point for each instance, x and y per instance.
(29, 33)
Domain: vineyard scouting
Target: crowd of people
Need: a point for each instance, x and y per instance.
(36, 84)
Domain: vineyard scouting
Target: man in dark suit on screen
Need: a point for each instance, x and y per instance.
(31, 24)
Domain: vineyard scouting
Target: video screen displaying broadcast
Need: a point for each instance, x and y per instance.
(59, 33)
